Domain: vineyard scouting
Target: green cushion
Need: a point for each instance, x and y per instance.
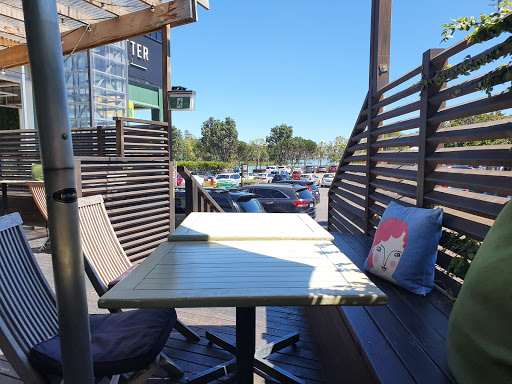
(37, 172)
(479, 333)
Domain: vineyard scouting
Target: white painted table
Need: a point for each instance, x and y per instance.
(244, 274)
(209, 226)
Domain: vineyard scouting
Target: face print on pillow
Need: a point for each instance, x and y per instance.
(388, 246)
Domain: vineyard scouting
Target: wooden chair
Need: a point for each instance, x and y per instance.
(38, 193)
(28, 312)
(105, 259)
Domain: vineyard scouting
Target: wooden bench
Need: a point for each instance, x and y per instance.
(402, 342)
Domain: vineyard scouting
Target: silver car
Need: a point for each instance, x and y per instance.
(310, 177)
(327, 180)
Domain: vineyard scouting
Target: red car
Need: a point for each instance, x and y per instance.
(296, 175)
(333, 168)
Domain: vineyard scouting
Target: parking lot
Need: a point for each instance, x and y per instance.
(321, 209)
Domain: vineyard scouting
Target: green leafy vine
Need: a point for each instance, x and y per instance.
(488, 27)
(465, 248)
(485, 28)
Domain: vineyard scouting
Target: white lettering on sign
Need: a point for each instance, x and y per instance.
(140, 51)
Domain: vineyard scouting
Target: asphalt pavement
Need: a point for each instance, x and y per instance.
(321, 208)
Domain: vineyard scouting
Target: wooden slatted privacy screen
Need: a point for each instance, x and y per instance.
(128, 164)
(419, 167)
(141, 138)
(137, 195)
(130, 137)
(20, 148)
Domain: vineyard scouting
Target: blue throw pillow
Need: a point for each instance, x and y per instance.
(404, 250)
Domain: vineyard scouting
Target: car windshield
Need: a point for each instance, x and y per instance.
(222, 177)
(329, 175)
(250, 206)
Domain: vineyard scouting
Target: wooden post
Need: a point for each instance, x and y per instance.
(166, 86)
(120, 137)
(379, 76)
(99, 138)
(427, 129)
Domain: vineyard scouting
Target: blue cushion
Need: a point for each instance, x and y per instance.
(120, 342)
(122, 276)
(404, 248)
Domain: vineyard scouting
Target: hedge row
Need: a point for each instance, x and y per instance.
(204, 166)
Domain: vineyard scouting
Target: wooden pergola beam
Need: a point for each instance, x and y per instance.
(5, 42)
(174, 14)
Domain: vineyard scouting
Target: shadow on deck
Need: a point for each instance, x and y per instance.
(271, 323)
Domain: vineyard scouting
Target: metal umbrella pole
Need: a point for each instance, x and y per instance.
(50, 96)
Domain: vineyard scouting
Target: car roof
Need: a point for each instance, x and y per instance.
(293, 181)
(274, 185)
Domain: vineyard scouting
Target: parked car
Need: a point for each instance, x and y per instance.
(178, 180)
(240, 202)
(309, 169)
(310, 184)
(281, 176)
(179, 206)
(264, 177)
(321, 169)
(311, 177)
(333, 168)
(284, 198)
(284, 168)
(296, 174)
(228, 180)
(327, 180)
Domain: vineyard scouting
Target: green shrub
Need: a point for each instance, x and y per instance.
(205, 166)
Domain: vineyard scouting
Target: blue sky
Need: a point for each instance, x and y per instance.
(300, 63)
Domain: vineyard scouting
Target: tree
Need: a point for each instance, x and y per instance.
(321, 150)
(335, 149)
(178, 144)
(243, 153)
(219, 139)
(307, 150)
(277, 144)
(190, 147)
(258, 150)
(485, 117)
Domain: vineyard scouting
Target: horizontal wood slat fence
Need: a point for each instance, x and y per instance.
(418, 168)
(137, 196)
(128, 164)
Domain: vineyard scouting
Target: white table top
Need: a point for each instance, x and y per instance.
(244, 274)
(212, 226)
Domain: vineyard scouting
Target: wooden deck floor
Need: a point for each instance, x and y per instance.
(271, 323)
